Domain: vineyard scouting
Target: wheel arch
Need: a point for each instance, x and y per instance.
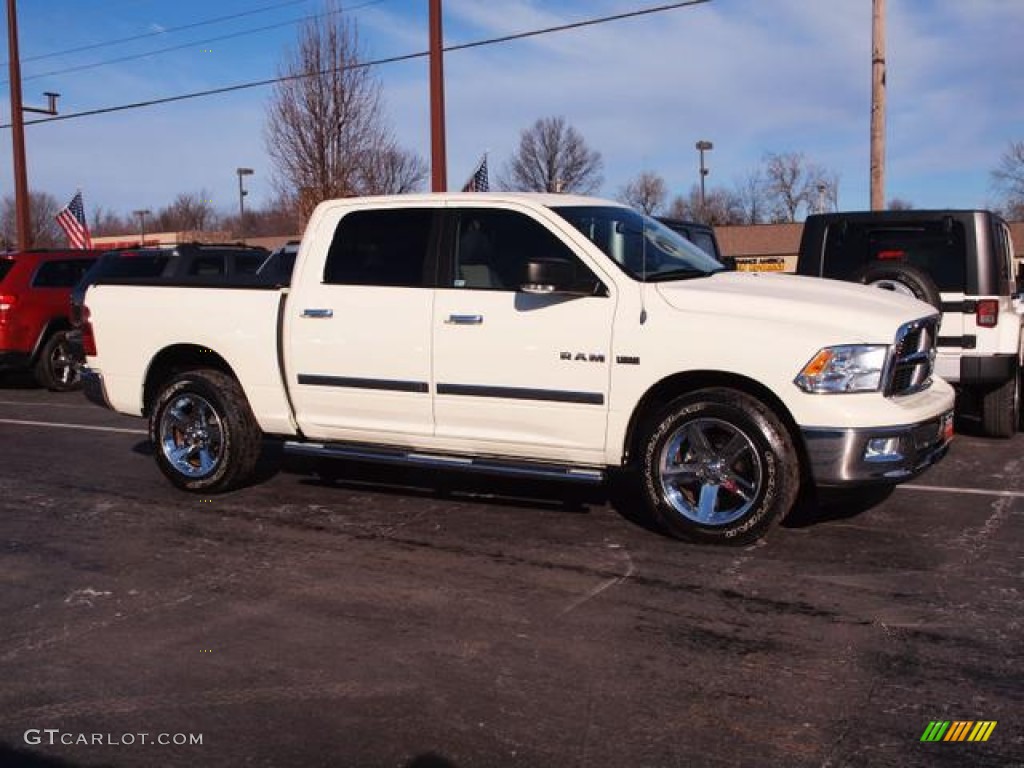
(176, 359)
(52, 326)
(679, 384)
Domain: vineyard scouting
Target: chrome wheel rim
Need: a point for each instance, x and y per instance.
(191, 435)
(62, 367)
(710, 472)
(895, 286)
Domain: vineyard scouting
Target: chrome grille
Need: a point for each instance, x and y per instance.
(913, 357)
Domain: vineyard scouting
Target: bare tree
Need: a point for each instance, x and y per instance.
(278, 217)
(553, 157)
(106, 222)
(899, 204)
(43, 208)
(394, 172)
(325, 129)
(785, 185)
(647, 192)
(190, 212)
(1008, 179)
(721, 207)
(792, 183)
(750, 193)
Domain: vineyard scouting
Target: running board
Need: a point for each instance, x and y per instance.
(508, 468)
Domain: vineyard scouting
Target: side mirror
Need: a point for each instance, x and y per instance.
(548, 276)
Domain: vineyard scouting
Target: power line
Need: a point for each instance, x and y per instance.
(166, 31)
(362, 65)
(192, 44)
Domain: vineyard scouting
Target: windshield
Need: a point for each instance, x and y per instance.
(643, 247)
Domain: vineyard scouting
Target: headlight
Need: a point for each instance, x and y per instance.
(849, 368)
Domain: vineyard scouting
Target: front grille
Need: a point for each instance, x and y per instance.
(913, 357)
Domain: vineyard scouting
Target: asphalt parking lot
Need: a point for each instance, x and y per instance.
(395, 619)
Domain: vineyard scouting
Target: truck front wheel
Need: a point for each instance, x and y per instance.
(203, 431)
(718, 467)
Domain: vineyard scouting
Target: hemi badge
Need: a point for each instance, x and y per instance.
(627, 360)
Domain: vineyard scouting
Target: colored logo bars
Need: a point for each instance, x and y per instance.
(958, 730)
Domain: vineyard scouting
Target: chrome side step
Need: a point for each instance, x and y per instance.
(509, 468)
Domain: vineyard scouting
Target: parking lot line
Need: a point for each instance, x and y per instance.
(965, 491)
(88, 427)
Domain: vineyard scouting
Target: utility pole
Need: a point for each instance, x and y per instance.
(24, 216)
(438, 159)
(23, 211)
(877, 105)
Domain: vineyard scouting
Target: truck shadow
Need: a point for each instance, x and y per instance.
(620, 491)
(822, 505)
(416, 481)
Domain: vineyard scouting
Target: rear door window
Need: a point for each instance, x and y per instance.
(5, 267)
(939, 248)
(61, 274)
(386, 247)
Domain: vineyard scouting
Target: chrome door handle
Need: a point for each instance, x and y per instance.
(318, 313)
(465, 319)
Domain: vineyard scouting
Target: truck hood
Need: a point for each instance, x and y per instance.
(872, 313)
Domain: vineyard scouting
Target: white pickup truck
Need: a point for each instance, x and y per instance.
(534, 335)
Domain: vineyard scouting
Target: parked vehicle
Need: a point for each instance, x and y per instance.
(34, 320)
(960, 262)
(701, 235)
(548, 336)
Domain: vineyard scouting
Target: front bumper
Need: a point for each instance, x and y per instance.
(92, 386)
(876, 455)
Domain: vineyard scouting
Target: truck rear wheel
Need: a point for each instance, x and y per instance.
(203, 431)
(1000, 408)
(718, 467)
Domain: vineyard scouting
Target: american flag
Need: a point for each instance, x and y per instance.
(478, 181)
(72, 220)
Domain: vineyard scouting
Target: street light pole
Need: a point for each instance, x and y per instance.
(702, 147)
(242, 192)
(142, 213)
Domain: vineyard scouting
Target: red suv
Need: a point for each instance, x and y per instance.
(35, 290)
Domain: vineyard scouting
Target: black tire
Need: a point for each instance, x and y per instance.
(741, 466)
(205, 437)
(902, 278)
(1000, 408)
(56, 368)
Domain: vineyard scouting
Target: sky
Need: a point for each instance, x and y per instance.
(750, 76)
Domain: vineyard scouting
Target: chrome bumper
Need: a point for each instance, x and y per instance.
(843, 457)
(92, 386)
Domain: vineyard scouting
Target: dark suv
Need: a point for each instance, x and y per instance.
(701, 235)
(959, 261)
(34, 313)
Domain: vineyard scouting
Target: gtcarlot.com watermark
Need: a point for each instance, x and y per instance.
(53, 736)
